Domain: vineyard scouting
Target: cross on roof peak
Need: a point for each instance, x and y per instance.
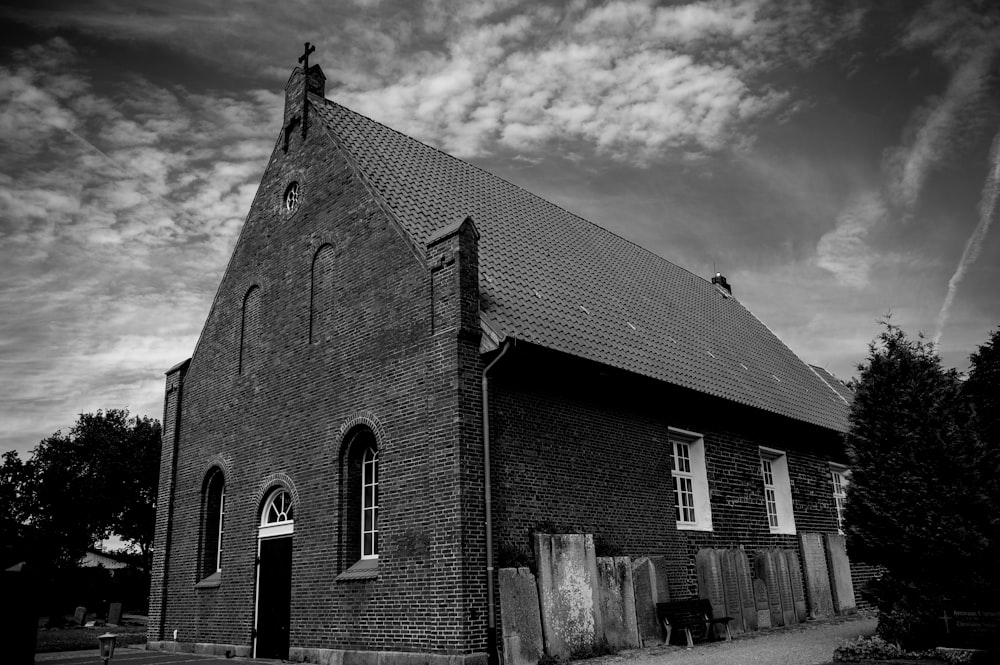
(304, 58)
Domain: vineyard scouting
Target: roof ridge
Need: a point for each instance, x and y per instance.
(544, 201)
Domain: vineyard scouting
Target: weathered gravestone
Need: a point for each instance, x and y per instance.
(617, 602)
(763, 606)
(840, 574)
(798, 588)
(114, 614)
(567, 591)
(645, 591)
(817, 575)
(80, 616)
(520, 620)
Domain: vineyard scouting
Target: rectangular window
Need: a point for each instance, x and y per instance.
(691, 496)
(777, 491)
(840, 481)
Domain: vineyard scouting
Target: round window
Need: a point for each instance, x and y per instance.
(292, 197)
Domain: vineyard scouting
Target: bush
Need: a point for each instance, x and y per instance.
(598, 647)
(874, 647)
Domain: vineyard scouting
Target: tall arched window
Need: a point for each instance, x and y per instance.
(359, 505)
(213, 525)
(321, 299)
(250, 330)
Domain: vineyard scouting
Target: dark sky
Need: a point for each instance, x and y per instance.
(833, 159)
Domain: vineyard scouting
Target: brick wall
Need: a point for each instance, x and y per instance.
(284, 414)
(582, 449)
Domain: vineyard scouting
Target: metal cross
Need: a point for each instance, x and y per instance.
(304, 58)
(946, 619)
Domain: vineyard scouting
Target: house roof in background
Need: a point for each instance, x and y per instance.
(554, 279)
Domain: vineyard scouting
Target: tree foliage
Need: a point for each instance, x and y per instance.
(81, 487)
(924, 479)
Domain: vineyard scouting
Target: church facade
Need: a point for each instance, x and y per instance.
(412, 365)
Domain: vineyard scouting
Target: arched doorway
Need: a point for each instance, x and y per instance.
(272, 621)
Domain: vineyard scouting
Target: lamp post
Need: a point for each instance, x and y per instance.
(107, 642)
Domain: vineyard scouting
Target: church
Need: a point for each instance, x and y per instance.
(411, 366)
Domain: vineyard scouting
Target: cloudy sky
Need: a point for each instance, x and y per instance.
(836, 160)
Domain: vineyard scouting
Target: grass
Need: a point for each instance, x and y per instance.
(74, 639)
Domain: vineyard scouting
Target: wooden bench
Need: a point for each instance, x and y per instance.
(693, 616)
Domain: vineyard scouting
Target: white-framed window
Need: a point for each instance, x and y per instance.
(777, 491)
(278, 516)
(841, 478)
(369, 504)
(691, 497)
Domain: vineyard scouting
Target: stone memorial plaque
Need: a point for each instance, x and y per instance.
(80, 616)
(762, 603)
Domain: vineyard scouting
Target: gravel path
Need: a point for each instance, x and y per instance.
(810, 643)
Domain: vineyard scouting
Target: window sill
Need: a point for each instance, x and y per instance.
(211, 582)
(687, 526)
(365, 569)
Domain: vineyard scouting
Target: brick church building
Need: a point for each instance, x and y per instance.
(411, 365)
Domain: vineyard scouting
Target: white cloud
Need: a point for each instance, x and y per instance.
(845, 250)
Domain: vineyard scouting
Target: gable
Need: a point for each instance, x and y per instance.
(554, 279)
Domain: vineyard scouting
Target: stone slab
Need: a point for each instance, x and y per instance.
(816, 574)
(798, 588)
(521, 622)
(114, 614)
(617, 602)
(80, 615)
(662, 576)
(762, 603)
(645, 592)
(766, 571)
(567, 591)
(731, 593)
(840, 574)
(784, 587)
(745, 580)
(709, 571)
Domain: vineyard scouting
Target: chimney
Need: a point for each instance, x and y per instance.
(720, 281)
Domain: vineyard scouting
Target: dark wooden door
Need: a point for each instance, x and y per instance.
(274, 597)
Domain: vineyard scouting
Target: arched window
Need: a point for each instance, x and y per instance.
(369, 504)
(359, 505)
(213, 525)
(278, 517)
(321, 298)
(250, 330)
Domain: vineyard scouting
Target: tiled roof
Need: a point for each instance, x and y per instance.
(554, 279)
(838, 386)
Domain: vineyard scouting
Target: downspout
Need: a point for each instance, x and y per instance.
(492, 648)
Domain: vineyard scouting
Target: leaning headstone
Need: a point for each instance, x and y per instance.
(80, 616)
(644, 590)
(745, 581)
(114, 614)
(798, 590)
(785, 587)
(817, 576)
(616, 602)
(567, 591)
(521, 622)
(706, 562)
(731, 593)
(840, 574)
(662, 575)
(763, 606)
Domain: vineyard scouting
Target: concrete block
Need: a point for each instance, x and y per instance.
(645, 592)
(567, 591)
(521, 622)
(840, 574)
(616, 600)
(816, 574)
